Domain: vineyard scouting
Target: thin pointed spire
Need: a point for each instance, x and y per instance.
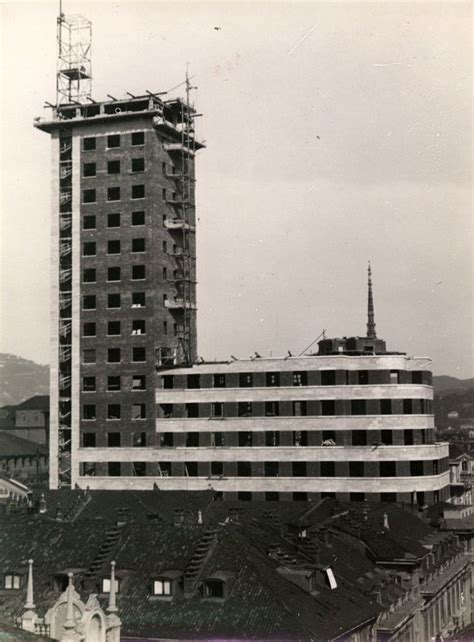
(70, 622)
(371, 334)
(29, 604)
(112, 608)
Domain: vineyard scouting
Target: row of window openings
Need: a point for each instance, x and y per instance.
(113, 194)
(89, 222)
(114, 329)
(114, 411)
(272, 438)
(164, 587)
(114, 300)
(113, 220)
(113, 141)
(114, 383)
(247, 439)
(299, 408)
(89, 301)
(89, 170)
(89, 248)
(89, 275)
(272, 469)
(328, 378)
(114, 355)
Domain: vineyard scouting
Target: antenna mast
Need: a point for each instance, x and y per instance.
(74, 67)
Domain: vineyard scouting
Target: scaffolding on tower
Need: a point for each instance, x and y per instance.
(74, 67)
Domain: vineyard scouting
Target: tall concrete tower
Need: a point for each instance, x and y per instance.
(123, 257)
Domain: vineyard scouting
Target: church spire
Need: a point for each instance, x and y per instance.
(370, 309)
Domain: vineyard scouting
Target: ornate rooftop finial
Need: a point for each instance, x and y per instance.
(69, 622)
(370, 309)
(29, 604)
(112, 608)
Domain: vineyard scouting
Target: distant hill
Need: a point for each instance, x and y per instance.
(21, 379)
(444, 383)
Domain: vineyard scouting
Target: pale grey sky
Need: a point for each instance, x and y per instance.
(354, 144)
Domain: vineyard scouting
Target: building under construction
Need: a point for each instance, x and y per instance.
(123, 254)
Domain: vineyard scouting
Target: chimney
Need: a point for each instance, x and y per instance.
(29, 617)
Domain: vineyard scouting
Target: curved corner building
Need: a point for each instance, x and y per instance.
(353, 421)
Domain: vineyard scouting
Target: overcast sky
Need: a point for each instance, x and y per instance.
(335, 132)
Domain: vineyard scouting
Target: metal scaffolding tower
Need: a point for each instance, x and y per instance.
(74, 68)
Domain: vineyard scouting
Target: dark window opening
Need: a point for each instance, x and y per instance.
(388, 497)
(138, 326)
(114, 469)
(359, 438)
(138, 411)
(88, 302)
(271, 496)
(138, 354)
(300, 496)
(417, 376)
(328, 377)
(113, 167)
(113, 300)
(191, 468)
(244, 469)
(139, 468)
(113, 411)
(88, 170)
(193, 381)
(88, 384)
(88, 144)
(298, 469)
(386, 437)
(138, 218)
(89, 196)
(245, 380)
(416, 468)
(328, 469)
(113, 440)
(358, 407)
(217, 409)
(113, 274)
(217, 468)
(89, 222)
(113, 193)
(192, 439)
(138, 138)
(356, 469)
(408, 437)
(138, 299)
(329, 438)
(89, 329)
(113, 140)
(88, 440)
(244, 409)
(166, 439)
(167, 410)
(138, 245)
(219, 380)
(89, 248)
(386, 406)
(272, 409)
(245, 438)
(138, 165)
(113, 247)
(300, 438)
(328, 407)
(89, 275)
(356, 497)
(388, 469)
(271, 469)
(88, 412)
(138, 272)
(217, 439)
(192, 410)
(272, 438)
(138, 191)
(113, 355)
(363, 377)
(113, 220)
(408, 406)
(168, 382)
(113, 383)
(272, 379)
(300, 378)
